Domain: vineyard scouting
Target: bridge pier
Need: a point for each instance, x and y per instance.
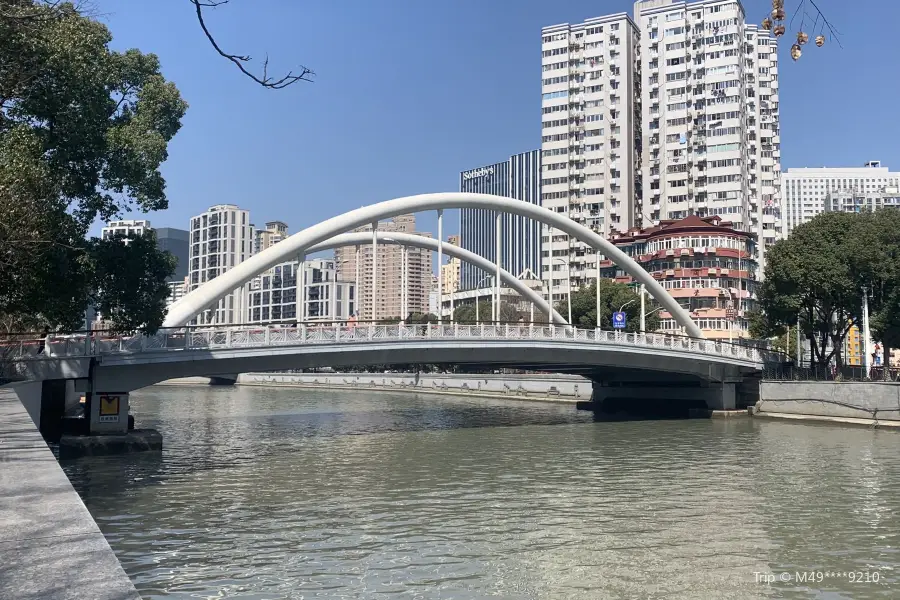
(661, 398)
(229, 379)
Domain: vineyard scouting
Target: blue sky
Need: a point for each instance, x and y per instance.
(409, 92)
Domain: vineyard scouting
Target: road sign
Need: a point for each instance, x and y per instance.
(619, 321)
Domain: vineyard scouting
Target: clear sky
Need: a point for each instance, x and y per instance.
(409, 93)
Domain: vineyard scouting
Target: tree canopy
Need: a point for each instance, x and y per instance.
(613, 296)
(83, 132)
(466, 313)
(818, 274)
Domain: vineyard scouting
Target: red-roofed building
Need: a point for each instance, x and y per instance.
(704, 263)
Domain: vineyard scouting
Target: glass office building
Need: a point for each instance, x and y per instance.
(518, 177)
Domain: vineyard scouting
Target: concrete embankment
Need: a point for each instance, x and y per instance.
(536, 387)
(848, 402)
(50, 546)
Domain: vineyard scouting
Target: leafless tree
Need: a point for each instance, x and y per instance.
(265, 80)
(32, 12)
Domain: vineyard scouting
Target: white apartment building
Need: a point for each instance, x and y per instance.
(176, 291)
(711, 134)
(389, 296)
(274, 232)
(221, 238)
(808, 192)
(590, 139)
(273, 295)
(125, 227)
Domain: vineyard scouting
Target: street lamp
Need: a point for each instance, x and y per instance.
(865, 332)
(568, 285)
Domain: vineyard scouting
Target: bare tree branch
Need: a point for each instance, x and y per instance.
(239, 60)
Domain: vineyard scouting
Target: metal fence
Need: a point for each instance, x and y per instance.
(790, 372)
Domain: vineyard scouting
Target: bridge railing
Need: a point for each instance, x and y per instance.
(264, 336)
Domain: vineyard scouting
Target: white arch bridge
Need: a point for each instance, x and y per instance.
(634, 365)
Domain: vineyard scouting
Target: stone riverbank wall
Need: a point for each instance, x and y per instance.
(864, 403)
(544, 388)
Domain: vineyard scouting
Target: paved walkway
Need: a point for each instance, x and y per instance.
(50, 546)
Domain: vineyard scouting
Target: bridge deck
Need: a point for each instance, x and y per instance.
(50, 546)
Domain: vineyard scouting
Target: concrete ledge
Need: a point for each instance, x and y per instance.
(50, 546)
(137, 440)
(894, 425)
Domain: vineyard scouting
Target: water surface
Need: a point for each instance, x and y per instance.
(265, 493)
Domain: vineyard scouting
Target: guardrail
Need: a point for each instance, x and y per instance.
(251, 337)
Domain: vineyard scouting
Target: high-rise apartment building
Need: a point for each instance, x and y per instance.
(274, 232)
(711, 135)
(282, 294)
(389, 297)
(125, 227)
(221, 238)
(450, 272)
(590, 139)
(808, 192)
(518, 177)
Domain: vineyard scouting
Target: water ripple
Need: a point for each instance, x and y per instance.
(279, 493)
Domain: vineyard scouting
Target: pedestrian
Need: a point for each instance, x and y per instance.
(44, 336)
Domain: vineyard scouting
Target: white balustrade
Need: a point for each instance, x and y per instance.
(174, 340)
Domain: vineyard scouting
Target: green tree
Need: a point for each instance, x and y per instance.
(129, 279)
(613, 296)
(83, 132)
(466, 313)
(818, 274)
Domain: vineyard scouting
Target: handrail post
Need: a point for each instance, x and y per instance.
(268, 334)
(337, 332)
(187, 338)
(228, 338)
(303, 333)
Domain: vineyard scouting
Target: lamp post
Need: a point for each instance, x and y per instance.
(643, 308)
(303, 288)
(356, 288)
(568, 285)
(597, 294)
(496, 310)
(865, 315)
(374, 266)
(627, 304)
(440, 240)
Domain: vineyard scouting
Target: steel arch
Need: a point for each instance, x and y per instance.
(212, 291)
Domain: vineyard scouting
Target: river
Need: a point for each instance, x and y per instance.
(265, 493)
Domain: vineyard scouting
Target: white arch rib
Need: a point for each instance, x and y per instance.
(408, 239)
(212, 291)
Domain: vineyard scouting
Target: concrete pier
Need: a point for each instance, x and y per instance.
(50, 546)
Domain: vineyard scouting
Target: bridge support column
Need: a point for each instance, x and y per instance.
(108, 413)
